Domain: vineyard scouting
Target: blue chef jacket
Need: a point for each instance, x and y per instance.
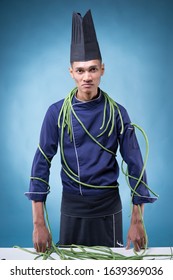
(93, 164)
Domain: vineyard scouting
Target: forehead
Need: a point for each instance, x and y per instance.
(86, 64)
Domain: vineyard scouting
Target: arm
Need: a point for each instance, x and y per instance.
(136, 233)
(39, 187)
(131, 154)
(41, 236)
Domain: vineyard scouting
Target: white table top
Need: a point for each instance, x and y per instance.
(18, 254)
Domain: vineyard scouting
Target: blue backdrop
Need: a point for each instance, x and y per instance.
(136, 40)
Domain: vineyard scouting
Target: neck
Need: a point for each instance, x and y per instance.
(87, 96)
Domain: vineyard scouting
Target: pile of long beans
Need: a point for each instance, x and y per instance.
(79, 252)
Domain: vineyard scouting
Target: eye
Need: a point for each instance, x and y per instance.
(93, 69)
(79, 71)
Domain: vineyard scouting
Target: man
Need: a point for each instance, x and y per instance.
(88, 126)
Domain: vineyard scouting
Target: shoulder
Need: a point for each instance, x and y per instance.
(52, 113)
(112, 100)
(121, 108)
(55, 108)
(121, 112)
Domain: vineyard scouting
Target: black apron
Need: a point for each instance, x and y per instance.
(91, 220)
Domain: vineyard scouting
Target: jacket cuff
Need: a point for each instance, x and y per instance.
(37, 196)
(143, 199)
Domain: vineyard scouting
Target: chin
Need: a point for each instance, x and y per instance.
(87, 90)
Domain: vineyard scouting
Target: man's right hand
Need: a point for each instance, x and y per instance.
(41, 238)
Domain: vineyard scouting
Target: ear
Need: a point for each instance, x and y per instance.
(102, 69)
(71, 72)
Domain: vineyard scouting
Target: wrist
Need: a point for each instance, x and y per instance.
(39, 223)
(137, 213)
(38, 214)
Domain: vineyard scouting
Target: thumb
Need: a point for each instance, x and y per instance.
(128, 243)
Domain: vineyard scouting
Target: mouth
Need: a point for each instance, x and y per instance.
(87, 85)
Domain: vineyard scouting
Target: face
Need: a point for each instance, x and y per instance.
(87, 75)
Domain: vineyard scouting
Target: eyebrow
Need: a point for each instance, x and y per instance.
(87, 68)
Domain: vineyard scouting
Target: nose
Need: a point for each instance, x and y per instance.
(87, 77)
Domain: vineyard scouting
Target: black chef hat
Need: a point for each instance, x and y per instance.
(84, 44)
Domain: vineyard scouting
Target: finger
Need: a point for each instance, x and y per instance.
(128, 243)
(143, 243)
(49, 241)
(36, 247)
(41, 248)
(140, 244)
(136, 246)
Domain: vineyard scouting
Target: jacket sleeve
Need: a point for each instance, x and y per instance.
(48, 145)
(131, 154)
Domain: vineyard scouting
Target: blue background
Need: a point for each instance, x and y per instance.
(136, 41)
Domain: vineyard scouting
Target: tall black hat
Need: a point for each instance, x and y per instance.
(84, 44)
